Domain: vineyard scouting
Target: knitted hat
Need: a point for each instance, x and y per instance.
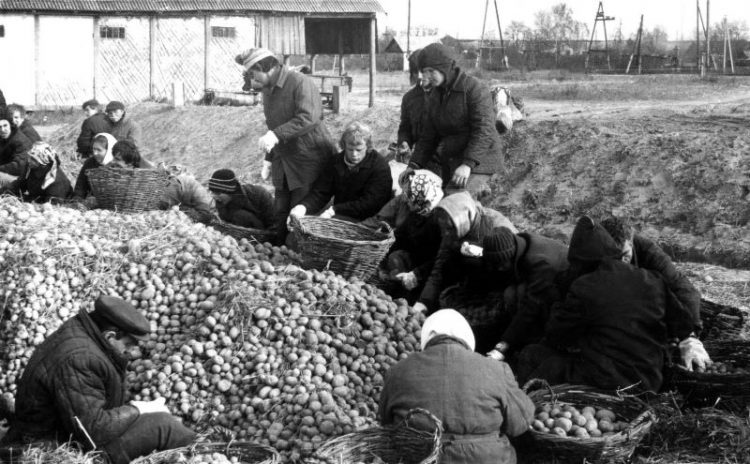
(223, 181)
(437, 56)
(499, 246)
(114, 105)
(110, 311)
(251, 56)
(423, 191)
(591, 243)
(447, 322)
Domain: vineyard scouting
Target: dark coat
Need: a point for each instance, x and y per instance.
(184, 191)
(461, 119)
(29, 131)
(648, 255)
(293, 111)
(73, 373)
(357, 193)
(29, 186)
(537, 261)
(254, 202)
(616, 317)
(124, 129)
(413, 115)
(13, 153)
(476, 398)
(461, 219)
(91, 126)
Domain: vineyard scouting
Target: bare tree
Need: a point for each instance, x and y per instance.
(517, 31)
(558, 25)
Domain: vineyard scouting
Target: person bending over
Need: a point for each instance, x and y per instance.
(244, 205)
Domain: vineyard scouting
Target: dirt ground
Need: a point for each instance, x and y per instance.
(670, 152)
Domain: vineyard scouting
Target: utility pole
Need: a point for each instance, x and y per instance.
(500, 33)
(708, 37)
(481, 39)
(698, 36)
(636, 49)
(600, 16)
(408, 30)
(727, 46)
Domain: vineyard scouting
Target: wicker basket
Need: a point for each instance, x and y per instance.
(397, 444)
(238, 232)
(724, 391)
(720, 320)
(246, 453)
(478, 309)
(611, 449)
(127, 190)
(346, 248)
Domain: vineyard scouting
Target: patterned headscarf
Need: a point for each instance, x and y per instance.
(44, 155)
(423, 190)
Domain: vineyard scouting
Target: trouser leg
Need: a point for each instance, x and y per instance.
(149, 433)
(285, 200)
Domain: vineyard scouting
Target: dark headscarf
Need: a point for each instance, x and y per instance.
(437, 56)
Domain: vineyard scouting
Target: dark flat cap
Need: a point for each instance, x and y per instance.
(94, 103)
(114, 105)
(110, 310)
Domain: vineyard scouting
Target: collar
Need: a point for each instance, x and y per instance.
(445, 340)
(366, 162)
(281, 77)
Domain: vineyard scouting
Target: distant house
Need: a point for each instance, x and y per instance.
(396, 50)
(63, 52)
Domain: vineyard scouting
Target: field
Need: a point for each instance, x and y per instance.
(670, 152)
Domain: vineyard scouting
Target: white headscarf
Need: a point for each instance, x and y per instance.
(111, 141)
(447, 322)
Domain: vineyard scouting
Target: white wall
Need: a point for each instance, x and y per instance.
(17, 58)
(66, 60)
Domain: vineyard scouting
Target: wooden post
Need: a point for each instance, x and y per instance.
(341, 52)
(97, 41)
(708, 37)
(313, 60)
(373, 46)
(481, 39)
(152, 30)
(287, 60)
(340, 98)
(37, 73)
(206, 52)
(698, 36)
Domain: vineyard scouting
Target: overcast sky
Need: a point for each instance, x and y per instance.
(463, 18)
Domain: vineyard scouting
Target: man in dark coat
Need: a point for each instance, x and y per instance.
(297, 145)
(18, 113)
(461, 119)
(74, 387)
(413, 110)
(358, 180)
(242, 205)
(13, 148)
(476, 398)
(530, 263)
(612, 329)
(113, 121)
(95, 123)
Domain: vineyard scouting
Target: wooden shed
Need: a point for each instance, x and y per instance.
(63, 52)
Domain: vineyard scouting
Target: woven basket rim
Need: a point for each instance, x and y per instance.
(378, 237)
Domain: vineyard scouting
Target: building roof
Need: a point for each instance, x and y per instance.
(184, 6)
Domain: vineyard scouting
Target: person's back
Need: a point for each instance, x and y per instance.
(185, 191)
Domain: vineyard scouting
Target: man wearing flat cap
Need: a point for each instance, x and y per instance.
(74, 388)
(113, 121)
(297, 144)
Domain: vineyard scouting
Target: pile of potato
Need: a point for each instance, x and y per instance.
(565, 420)
(728, 367)
(242, 336)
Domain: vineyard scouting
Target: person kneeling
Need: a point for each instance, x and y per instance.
(244, 205)
(74, 388)
(358, 179)
(44, 179)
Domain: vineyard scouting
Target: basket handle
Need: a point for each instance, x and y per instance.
(538, 384)
(385, 228)
(434, 420)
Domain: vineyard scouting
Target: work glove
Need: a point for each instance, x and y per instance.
(329, 213)
(149, 407)
(472, 251)
(420, 307)
(298, 212)
(408, 280)
(267, 142)
(265, 171)
(693, 354)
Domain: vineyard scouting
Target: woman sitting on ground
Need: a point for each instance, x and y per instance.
(18, 113)
(358, 180)
(244, 205)
(101, 156)
(44, 179)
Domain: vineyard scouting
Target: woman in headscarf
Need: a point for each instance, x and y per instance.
(476, 398)
(461, 119)
(245, 205)
(462, 221)
(44, 179)
(101, 156)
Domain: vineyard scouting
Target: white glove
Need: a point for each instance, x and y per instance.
(265, 171)
(496, 355)
(148, 407)
(420, 307)
(267, 142)
(298, 211)
(694, 354)
(329, 213)
(408, 280)
(473, 251)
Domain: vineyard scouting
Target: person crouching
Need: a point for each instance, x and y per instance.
(242, 205)
(44, 179)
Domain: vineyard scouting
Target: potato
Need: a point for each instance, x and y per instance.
(564, 423)
(581, 433)
(559, 432)
(555, 412)
(589, 410)
(538, 425)
(591, 425)
(595, 433)
(605, 414)
(566, 414)
(579, 420)
(606, 426)
(542, 416)
(549, 423)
